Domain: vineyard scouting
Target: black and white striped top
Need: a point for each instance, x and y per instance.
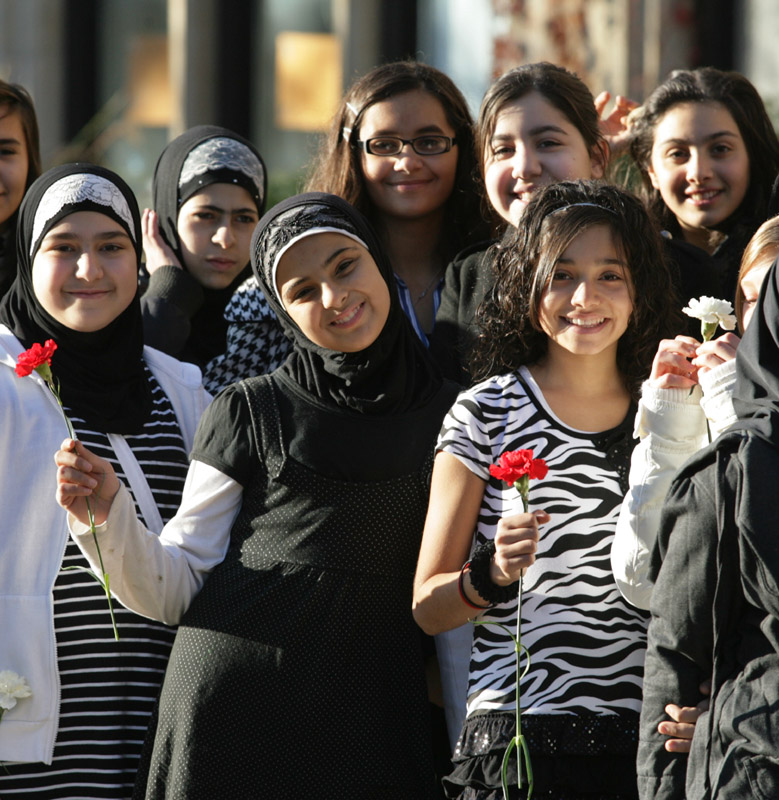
(108, 688)
(586, 643)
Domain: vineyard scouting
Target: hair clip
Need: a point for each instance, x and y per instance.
(347, 134)
(577, 205)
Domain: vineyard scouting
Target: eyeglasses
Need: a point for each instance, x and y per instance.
(393, 145)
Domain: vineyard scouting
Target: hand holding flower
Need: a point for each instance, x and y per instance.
(672, 367)
(516, 542)
(80, 475)
(38, 359)
(715, 352)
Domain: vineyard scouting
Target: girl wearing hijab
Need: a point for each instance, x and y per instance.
(715, 614)
(79, 247)
(297, 669)
(20, 165)
(208, 191)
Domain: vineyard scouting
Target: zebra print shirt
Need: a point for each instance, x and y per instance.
(586, 643)
(108, 688)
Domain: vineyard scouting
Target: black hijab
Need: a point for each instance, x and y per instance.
(392, 375)
(101, 374)
(204, 155)
(756, 393)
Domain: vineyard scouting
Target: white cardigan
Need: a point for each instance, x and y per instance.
(33, 533)
(672, 426)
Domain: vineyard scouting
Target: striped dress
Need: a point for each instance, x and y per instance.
(582, 693)
(108, 688)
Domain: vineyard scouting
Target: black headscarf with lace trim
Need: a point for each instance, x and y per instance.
(101, 373)
(756, 393)
(392, 375)
(202, 156)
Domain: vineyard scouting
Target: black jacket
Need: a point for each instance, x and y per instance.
(715, 615)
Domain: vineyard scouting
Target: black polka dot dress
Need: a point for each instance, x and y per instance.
(297, 670)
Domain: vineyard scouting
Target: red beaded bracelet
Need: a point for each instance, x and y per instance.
(461, 588)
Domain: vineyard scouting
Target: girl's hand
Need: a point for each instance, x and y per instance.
(672, 367)
(155, 251)
(615, 127)
(82, 474)
(715, 352)
(682, 726)
(516, 542)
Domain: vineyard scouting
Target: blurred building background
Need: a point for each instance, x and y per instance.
(114, 80)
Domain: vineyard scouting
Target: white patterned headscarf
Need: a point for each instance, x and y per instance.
(73, 190)
(222, 153)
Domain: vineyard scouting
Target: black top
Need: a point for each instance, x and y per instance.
(298, 666)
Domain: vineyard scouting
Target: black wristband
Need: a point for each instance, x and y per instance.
(480, 577)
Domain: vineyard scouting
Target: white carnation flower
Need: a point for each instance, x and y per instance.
(711, 312)
(13, 687)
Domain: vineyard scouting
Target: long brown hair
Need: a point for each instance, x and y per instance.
(337, 167)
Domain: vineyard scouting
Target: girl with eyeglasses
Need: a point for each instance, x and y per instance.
(400, 149)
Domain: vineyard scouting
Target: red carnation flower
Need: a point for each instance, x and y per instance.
(515, 464)
(35, 357)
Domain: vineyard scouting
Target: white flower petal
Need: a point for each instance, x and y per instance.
(12, 686)
(710, 309)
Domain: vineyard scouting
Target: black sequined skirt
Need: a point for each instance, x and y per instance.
(573, 757)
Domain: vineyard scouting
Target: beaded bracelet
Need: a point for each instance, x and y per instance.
(481, 580)
(461, 587)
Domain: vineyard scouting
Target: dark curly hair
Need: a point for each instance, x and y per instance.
(523, 262)
(563, 89)
(742, 100)
(337, 168)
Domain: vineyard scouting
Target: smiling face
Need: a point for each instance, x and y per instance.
(408, 185)
(215, 229)
(700, 166)
(587, 303)
(333, 291)
(85, 273)
(533, 145)
(14, 163)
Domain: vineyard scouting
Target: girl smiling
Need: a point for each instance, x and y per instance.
(708, 156)
(79, 245)
(305, 503)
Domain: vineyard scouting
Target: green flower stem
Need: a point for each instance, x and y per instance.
(50, 381)
(708, 329)
(518, 741)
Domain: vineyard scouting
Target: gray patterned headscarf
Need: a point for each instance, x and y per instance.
(393, 374)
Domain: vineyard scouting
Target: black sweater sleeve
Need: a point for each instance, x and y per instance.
(171, 299)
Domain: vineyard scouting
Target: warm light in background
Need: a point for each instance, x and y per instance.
(308, 80)
(151, 99)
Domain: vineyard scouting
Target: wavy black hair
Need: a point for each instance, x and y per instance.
(523, 262)
(743, 102)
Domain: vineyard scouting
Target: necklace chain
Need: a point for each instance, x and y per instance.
(429, 286)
